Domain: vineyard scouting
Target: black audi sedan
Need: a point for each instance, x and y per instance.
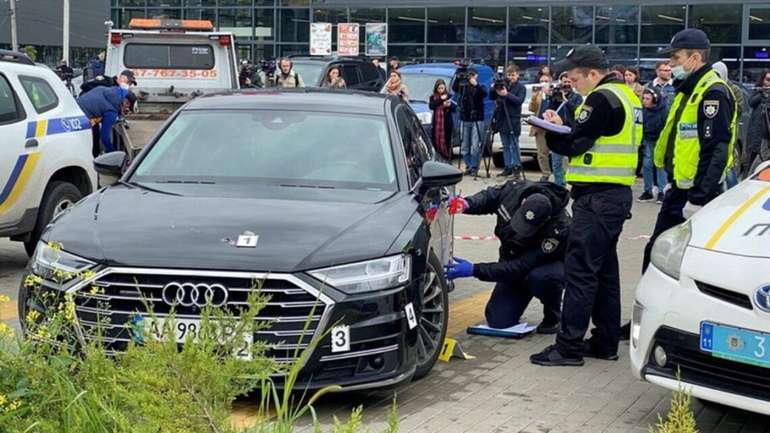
(331, 199)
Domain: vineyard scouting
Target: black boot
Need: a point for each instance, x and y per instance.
(516, 172)
(505, 173)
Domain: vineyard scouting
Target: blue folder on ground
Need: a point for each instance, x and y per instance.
(516, 331)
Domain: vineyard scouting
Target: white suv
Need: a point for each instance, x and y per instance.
(46, 164)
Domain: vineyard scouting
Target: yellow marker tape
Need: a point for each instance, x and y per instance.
(41, 127)
(18, 188)
(734, 217)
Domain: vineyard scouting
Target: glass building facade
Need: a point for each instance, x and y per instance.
(529, 34)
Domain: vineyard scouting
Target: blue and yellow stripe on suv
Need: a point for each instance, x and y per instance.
(20, 175)
(44, 127)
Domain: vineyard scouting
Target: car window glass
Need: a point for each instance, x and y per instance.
(273, 147)
(350, 74)
(40, 93)
(413, 157)
(369, 72)
(422, 144)
(167, 56)
(9, 111)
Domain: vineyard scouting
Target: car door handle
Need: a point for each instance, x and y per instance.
(31, 143)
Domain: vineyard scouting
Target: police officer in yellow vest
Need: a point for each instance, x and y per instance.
(602, 148)
(696, 145)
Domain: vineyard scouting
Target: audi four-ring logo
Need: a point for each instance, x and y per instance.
(198, 294)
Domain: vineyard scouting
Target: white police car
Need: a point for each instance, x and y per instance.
(46, 164)
(702, 309)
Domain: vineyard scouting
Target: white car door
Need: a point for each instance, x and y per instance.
(16, 163)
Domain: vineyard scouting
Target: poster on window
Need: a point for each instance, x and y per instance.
(320, 39)
(347, 39)
(376, 39)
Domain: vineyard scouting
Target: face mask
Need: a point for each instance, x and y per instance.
(124, 86)
(679, 72)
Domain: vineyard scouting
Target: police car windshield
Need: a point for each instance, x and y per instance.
(310, 72)
(421, 85)
(269, 147)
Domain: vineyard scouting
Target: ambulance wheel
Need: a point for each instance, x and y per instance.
(433, 319)
(58, 197)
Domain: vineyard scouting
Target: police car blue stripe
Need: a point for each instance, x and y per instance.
(31, 126)
(13, 178)
(60, 125)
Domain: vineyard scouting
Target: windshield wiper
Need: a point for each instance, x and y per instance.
(199, 182)
(147, 188)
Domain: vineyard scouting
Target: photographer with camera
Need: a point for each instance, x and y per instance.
(471, 102)
(66, 74)
(247, 78)
(287, 77)
(509, 94)
(759, 123)
(564, 101)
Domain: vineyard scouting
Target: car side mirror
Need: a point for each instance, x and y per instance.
(438, 174)
(110, 167)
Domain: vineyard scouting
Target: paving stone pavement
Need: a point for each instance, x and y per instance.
(500, 391)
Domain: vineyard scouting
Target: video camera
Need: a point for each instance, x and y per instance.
(558, 90)
(500, 79)
(268, 67)
(461, 75)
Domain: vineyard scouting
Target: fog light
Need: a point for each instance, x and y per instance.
(377, 362)
(636, 324)
(659, 354)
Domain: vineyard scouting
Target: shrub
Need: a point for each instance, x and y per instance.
(680, 418)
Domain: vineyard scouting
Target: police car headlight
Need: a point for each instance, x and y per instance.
(368, 276)
(668, 250)
(426, 117)
(53, 264)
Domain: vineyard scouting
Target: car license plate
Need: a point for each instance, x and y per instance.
(735, 344)
(184, 328)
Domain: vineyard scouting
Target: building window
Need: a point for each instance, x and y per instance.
(529, 59)
(263, 24)
(661, 23)
(295, 25)
(756, 60)
(127, 14)
(626, 56)
(617, 24)
(292, 50)
(528, 25)
(132, 3)
(406, 25)
(648, 58)
(295, 3)
(721, 22)
(486, 25)
(445, 53)
(572, 24)
(164, 13)
(491, 55)
(407, 53)
(237, 21)
(234, 2)
(164, 3)
(201, 14)
(446, 25)
(363, 16)
(730, 56)
(759, 24)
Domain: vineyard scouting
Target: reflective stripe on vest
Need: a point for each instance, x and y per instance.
(612, 159)
(686, 156)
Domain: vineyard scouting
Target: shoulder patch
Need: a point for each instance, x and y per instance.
(549, 245)
(585, 114)
(710, 108)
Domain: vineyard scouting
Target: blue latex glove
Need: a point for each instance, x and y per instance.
(458, 268)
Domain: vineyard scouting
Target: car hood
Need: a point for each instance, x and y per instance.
(122, 226)
(736, 222)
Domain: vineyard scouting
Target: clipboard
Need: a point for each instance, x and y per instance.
(548, 126)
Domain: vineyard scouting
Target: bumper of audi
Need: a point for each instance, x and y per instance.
(382, 349)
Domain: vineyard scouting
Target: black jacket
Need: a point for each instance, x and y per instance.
(518, 256)
(714, 136)
(507, 118)
(655, 118)
(471, 101)
(758, 130)
(567, 111)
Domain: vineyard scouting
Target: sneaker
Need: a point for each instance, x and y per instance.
(516, 173)
(548, 328)
(645, 197)
(474, 172)
(659, 200)
(551, 357)
(590, 352)
(505, 173)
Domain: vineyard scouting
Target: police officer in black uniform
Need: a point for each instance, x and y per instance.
(532, 225)
(603, 154)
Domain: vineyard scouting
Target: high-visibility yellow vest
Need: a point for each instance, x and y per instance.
(683, 121)
(612, 159)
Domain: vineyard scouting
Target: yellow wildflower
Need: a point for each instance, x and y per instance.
(3, 400)
(4, 299)
(5, 330)
(13, 406)
(54, 246)
(32, 316)
(32, 281)
(87, 275)
(62, 276)
(42, 332)
(95, 290)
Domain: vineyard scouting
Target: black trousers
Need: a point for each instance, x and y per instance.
(670, 215)
(509, 299)
(591, 266)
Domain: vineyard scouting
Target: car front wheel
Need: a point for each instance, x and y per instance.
(58, 197)
(433, 321)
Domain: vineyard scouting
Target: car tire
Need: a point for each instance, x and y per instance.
(497, 158)
(434, 316)
(58, 196)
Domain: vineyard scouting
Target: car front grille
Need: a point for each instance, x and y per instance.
(106, 306)
(725, 295)
(700, 368)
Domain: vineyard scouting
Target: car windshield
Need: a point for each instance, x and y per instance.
(421, 85)
(272, 147)
(310, 72)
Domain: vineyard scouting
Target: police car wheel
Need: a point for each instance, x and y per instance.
(58, 197)
(433, 320)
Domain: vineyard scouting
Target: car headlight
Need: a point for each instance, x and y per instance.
(668, 250)
(53, 264)
(368, 276)
(425, 117)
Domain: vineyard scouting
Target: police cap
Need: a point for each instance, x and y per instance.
(688, 39)
(585, 56)
(128, 73)
(534, 211)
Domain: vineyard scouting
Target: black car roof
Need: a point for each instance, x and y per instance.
(312, 99)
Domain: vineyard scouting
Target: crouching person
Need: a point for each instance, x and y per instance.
(533, 226)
